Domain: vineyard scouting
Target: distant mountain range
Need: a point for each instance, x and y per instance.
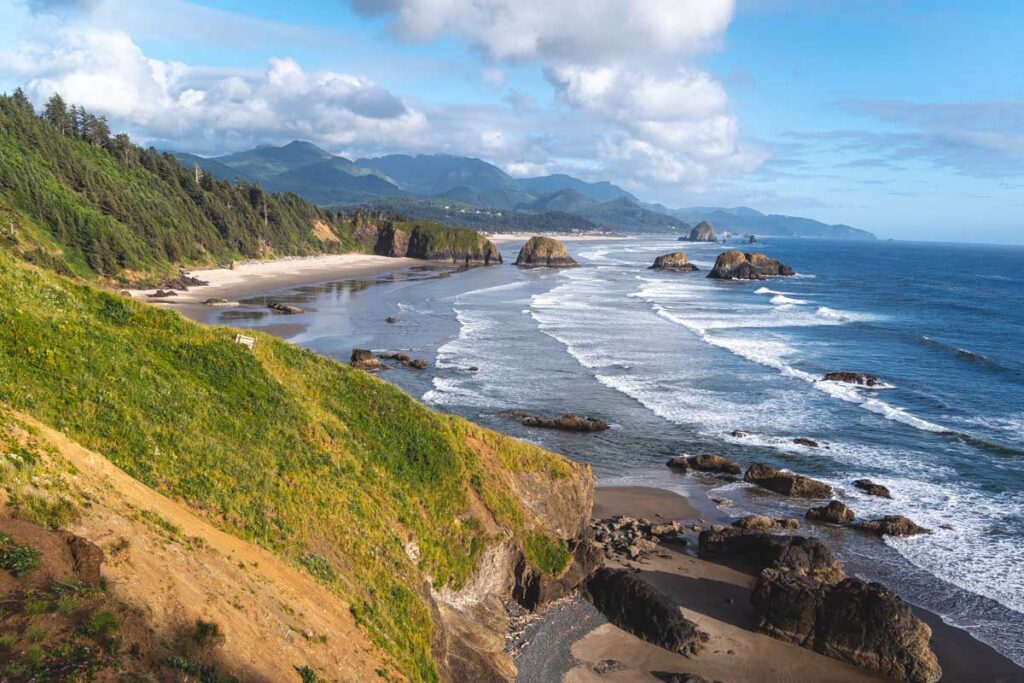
(468, 191)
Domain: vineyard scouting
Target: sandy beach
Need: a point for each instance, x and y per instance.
(574, 638)
(256, 277)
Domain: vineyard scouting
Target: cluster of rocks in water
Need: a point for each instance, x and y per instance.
(566, 423)
(861, 378)
(364, 359)
(736, 265)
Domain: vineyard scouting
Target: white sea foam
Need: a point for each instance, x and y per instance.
(783, 300)
(496, 288)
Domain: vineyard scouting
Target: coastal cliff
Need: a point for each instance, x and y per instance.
(421, 523)
(388, 236)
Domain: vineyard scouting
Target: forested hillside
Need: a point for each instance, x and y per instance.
(77, 199)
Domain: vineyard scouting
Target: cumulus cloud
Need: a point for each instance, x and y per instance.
(172, 103)
(625, 69)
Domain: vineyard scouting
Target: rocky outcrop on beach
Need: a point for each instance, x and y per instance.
(852, 620)
(405, 359)
(707, 462)
(736, 265)
(287, 309)
(389, 236)
(675, 262)
(806, 556)
(634, 605)
(833, 513)
(786, 483)
(632, 539)
(544, 252)
(566, 423)
(182, 282)
(861, 378)
(872, 489)
(702, 232)
(892, 525)
(364, 359)
(766, 523)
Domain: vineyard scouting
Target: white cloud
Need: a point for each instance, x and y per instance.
(171, 103)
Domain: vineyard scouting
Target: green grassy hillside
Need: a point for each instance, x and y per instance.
(326, 466)
(75, 199)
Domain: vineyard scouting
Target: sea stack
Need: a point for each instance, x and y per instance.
(704, 232)
(675, 262)
(735, 265)
(544, 252)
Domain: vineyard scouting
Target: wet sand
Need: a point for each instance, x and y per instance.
(717, 598)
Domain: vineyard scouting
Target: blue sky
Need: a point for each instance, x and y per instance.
(905, 118)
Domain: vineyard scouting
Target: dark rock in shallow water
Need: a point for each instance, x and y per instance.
(284, 308)
(765, 523)
(705, 463)
(567, 422)
(804, 441)
(703, 232)
(753, 239)
(872, 489)
(892, 525)
(735, 265)
(391, 320)
(674, 262)
(636, 606)
(740, 434)
(853, 621)
(162, 294)
(786, 483)
(861, 378)
(768, 551)
(365, 360)
(833, 513)
(545, 252)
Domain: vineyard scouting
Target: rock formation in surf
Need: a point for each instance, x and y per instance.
(544, 252)
(566, 423)
(703, 232)
(736, 265)
(835, 512)
(707, 462)
(861, 378)
(786, 483)
(674, 262)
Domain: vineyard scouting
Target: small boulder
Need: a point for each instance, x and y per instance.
(740, 434)
(872, 489)
(765, 523)
(892, 525)
(861, 378)
(833, 513)
(365, 360)
(162, 294)
(391, 320)
(544, 252)
(418, 363)
(786, 483)
(287, 309)
(707, 462)
(804, 441)
(674, 677)
(636, 606)
(608, 666)
(674, 262)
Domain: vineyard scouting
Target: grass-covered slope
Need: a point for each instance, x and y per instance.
(326, 466)
(85, 203)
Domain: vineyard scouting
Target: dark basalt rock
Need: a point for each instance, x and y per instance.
(786, 483)
(736, 265)
(833, 513)
(803, 555)
(284, 308)
(853, 621)
(765, 523)
(675, 262)
(391, 320)
(567, 422)
(804, 441)
(740, 434)
(182, 282)
(162, 294)
(702, 232)
(544, 252)
(861, 378)
(753, 239)
(872, 489)
(705, 463)
(365, 360)
(892, 525)
(635, 606)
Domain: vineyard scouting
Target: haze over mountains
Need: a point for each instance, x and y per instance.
(475, 193)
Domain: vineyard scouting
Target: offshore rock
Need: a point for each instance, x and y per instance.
(892, 525)
(736, 265)
(872, 489)
(703, 232)
(545, 252)
(861, 378)
(833, 513)
(675, 262)
(786, 483)
(567, 422)
(365, 360)
(707, 462)
(765, 523)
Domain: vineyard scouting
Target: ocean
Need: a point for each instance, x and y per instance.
(677, 362)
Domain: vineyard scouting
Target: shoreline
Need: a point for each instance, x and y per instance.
(716, 597)
(253, 278)
(505, 237)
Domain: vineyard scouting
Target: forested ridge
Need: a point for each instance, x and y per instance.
(81, 201)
